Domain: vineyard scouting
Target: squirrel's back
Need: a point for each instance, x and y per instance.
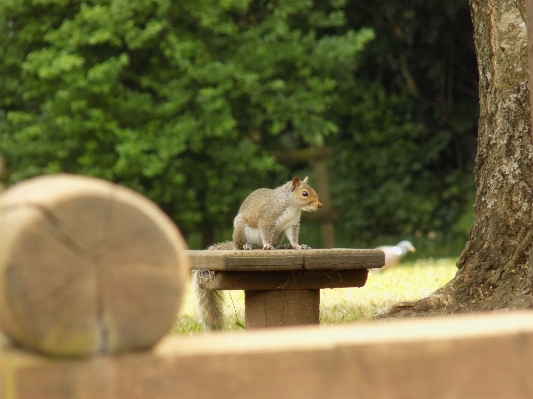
(264, 205)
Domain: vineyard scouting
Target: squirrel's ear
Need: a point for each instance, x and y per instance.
(305, 180)
(295, 182)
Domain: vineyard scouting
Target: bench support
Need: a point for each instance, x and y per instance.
(282, 287)
(276, 308)
(282, 298)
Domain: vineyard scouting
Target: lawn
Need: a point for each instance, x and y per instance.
(408, 281)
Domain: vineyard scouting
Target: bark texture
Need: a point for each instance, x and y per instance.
(495, 267)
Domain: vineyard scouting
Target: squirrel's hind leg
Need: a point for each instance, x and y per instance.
(239, 236)
(292, 234)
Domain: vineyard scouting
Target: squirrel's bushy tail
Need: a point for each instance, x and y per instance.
(210, 304)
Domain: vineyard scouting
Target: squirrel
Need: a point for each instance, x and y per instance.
(265, 217)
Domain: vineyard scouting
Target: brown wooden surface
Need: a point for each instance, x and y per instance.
(455, 357)
(277, 260)
(87, 266)
(278, 308)
(283, 280)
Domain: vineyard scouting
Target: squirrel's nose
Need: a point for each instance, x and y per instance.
(319, 204)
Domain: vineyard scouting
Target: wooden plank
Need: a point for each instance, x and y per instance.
(455, 357)
(343, 259)
(283, 280)
(312, 259)
(277, 308)
(256, 260)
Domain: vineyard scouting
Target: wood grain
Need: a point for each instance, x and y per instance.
(283, 280)
(87, 266)
(312, 259)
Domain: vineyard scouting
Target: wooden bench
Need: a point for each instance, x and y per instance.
(282, 287)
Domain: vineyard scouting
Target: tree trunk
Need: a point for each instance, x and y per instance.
(495, 267)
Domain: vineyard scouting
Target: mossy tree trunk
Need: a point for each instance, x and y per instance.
(495, 269)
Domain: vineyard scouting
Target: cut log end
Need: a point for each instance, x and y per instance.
(87, 267)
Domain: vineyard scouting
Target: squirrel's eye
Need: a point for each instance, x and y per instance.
(305, 193)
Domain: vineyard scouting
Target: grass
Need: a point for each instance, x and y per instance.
(406, 282)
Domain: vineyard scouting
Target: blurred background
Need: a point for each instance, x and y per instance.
(197, 103)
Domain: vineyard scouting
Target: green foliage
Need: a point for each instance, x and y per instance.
(179, 100)
(405, 152)
(183, 101)
(409, 281)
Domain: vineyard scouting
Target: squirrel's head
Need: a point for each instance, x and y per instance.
(304, 194)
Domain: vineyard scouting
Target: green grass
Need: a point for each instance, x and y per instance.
(406, 282)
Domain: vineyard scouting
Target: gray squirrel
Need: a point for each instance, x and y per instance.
(264, 218)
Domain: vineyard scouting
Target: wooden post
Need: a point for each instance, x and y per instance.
(87, 267)
(327, 228)
(325, 216)
(277, 308)
(3, 173)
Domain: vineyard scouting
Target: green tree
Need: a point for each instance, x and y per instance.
(496, 265)
(407, 136)
(179, 100)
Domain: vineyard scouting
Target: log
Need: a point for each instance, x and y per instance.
(454, 357)
(87, 267)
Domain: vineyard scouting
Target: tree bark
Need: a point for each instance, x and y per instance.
(495, 267)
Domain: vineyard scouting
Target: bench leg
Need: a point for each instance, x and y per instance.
(275, 308)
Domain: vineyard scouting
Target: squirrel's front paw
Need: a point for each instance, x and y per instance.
(268, 247)
(247, 247)
(303, 246)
